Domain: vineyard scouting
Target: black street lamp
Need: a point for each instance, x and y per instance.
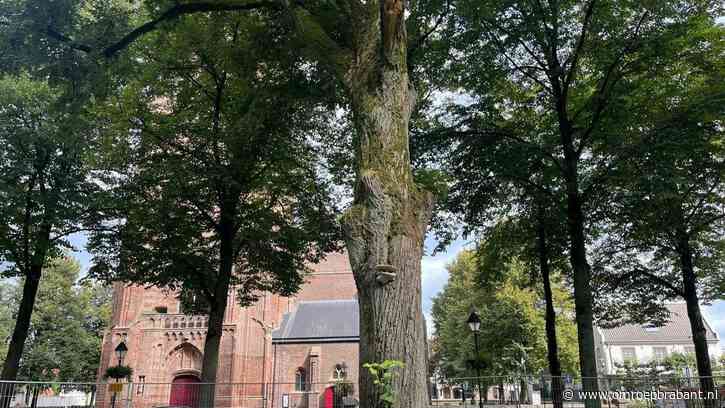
(121, 351)
(474, 323)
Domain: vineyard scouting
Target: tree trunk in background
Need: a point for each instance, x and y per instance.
(552, 347)
(25, 311)
(22, 324)
(386, 225)
(697, 325)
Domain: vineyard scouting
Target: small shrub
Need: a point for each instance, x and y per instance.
(383, 375)
(118, 372)
(344, 388)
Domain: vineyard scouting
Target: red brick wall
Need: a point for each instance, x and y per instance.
(318, 360)
(246, 351)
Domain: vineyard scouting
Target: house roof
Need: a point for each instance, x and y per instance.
(675, 331)
(320, 321)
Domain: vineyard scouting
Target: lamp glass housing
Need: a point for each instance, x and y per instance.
(474, 322)
(121, 350)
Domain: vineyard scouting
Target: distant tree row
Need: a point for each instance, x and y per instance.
(67, 327)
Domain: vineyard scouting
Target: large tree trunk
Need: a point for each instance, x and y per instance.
(552, 346)
(385, 232)
(386, 225)
(217, 311)
(583, 300)
(699, 332)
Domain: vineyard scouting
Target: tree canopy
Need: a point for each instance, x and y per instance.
(220, 187)
(68, 323)
(512, 321)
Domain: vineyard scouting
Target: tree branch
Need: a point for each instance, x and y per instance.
(183, 9)
(658, 280)
(171, 14)
(574, 57)
(326, 48)
(52, 33)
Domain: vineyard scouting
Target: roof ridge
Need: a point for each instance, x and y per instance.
(328, 301)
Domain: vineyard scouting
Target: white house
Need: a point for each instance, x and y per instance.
(644, 343)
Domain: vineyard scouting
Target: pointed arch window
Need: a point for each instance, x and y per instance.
(300, 379)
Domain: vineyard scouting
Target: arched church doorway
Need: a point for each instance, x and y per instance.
(185, 391)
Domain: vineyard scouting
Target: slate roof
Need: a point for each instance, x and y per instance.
(320, 321)
(675, 331)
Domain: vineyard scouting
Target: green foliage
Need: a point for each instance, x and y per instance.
(512, 326)
(67, 325)
(343, 387)
(434, 181)
(223, 126)
(670, 196)
(48, 182)
(118, 372)
(44, 173)
(7, 308)
(383, 375)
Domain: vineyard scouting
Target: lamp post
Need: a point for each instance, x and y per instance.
(121, 351)
(474, 323)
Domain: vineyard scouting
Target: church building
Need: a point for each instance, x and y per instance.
(281, 352)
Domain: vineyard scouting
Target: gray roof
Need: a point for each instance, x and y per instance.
(320, 321)
(675, 331)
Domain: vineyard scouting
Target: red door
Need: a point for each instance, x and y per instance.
(185, 392)
(330, 397)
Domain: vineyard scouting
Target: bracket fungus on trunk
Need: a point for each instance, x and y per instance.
(385, 274)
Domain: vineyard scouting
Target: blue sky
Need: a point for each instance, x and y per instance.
(435, 277)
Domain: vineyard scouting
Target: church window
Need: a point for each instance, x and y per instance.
(300, 379)
(141, 384)
(340, 372)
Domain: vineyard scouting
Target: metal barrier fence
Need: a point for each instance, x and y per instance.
(612, 391)
(183, 394)
(510, 391)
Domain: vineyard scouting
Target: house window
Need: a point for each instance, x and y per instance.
(340, 372)
(300, 379)
(629, 354)
(660, 353)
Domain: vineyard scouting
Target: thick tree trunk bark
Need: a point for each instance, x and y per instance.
(583, 300)
(697, 325)
(552, 346)
(386, 225)
(385, 232)
(217, 311)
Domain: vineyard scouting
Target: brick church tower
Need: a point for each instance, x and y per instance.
(165, 346)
